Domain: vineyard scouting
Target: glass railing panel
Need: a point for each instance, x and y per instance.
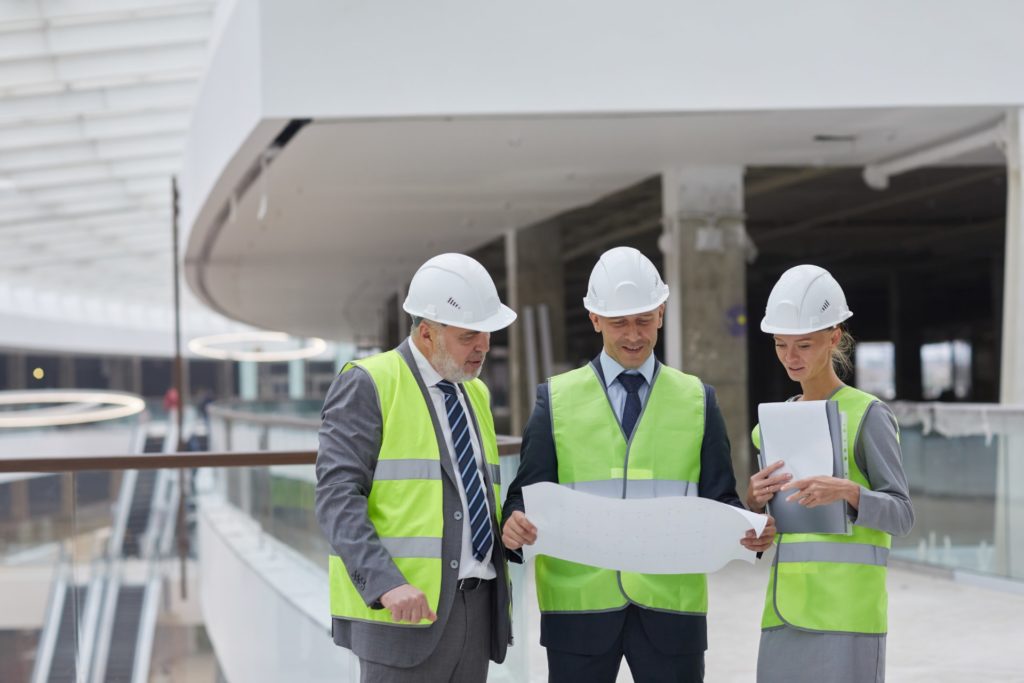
(53, 534)
(965, 467)
(279, 501)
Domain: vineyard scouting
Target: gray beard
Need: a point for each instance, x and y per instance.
(448, 367)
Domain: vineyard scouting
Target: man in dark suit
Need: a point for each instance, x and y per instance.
(407, 482)
(624, 426)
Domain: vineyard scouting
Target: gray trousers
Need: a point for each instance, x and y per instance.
(787, 655)
(461, 656)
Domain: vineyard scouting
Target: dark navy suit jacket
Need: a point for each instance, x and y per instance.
(591, 634)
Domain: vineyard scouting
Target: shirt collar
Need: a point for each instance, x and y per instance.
(611, 368)
(429, 375)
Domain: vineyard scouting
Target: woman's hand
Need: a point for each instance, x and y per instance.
(761, 543)
(763, 486)
(814, 491)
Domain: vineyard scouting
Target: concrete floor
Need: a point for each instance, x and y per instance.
(940, 630)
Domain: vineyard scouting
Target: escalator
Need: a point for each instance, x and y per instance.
(64, 661)
(124, 634)
(139, 513)
(110, 635)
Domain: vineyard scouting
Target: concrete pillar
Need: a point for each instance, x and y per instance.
(905, 332)
(66, 372)
(136, 376)
(248, 380)
(1009, 536)
(705, 247)
(225, 386)
(539, 286)
(516, 390)
(297, 379)
(67, 500)
(17, 372)
(19, 500)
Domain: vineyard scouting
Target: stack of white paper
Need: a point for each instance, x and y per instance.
(808, 437)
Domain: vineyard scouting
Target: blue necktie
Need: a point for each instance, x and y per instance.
(631, 412)
(476, 502)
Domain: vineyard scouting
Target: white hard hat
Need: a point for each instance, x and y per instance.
(624, 282)
(454, 289)
(805, 299)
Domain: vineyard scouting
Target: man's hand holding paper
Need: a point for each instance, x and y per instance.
(674, 535)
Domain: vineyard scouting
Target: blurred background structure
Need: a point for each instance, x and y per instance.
(323, 150)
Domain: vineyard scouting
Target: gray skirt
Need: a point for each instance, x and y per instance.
(787, 655)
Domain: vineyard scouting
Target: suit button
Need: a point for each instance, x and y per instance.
(457, 515)
(454, 564)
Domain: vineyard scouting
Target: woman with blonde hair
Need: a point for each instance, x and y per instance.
(825, 614)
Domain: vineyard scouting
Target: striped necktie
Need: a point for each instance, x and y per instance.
(476, 502)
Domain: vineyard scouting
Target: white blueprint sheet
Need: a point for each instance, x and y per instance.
(677, 535)
(797, 432)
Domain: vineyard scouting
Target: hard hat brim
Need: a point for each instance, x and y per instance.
(775, 329)
(499, 321)
(636, 310)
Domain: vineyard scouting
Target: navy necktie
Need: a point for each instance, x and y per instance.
(476, 501)
(631, 412)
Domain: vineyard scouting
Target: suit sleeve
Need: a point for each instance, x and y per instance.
(537, 459)
(717, 480)
(350, 439)
(886, 505)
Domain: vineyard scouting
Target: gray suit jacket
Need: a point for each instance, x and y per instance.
(350, 439)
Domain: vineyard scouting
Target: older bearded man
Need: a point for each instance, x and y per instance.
(407, 490)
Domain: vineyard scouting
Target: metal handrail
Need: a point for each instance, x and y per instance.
(229, 412)
(507, 445)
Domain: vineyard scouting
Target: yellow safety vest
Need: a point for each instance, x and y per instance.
(830, 582)
(661, 459)
(405, 503)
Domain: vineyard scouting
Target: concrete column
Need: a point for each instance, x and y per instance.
(297, 379)
(248, 380)
(19, 500)
(1009, 536)
(905, 332)
(17, 372)
(136, 376)
(66, 372)
(516, 390)
(539, 285)
(225, 386)
(705, 247)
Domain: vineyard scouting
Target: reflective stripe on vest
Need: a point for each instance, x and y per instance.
(661, 459)
(828, 582)
(405, 503)
(638, 488)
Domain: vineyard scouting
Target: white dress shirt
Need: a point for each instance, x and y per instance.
(469, 566)
(616, 392)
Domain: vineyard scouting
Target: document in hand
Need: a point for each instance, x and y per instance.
(808, 437)
(674, 535)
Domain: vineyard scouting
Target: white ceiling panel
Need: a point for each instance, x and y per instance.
(95, 97)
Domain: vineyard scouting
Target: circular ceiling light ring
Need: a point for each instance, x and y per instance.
(207, 346)
(81, 406)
